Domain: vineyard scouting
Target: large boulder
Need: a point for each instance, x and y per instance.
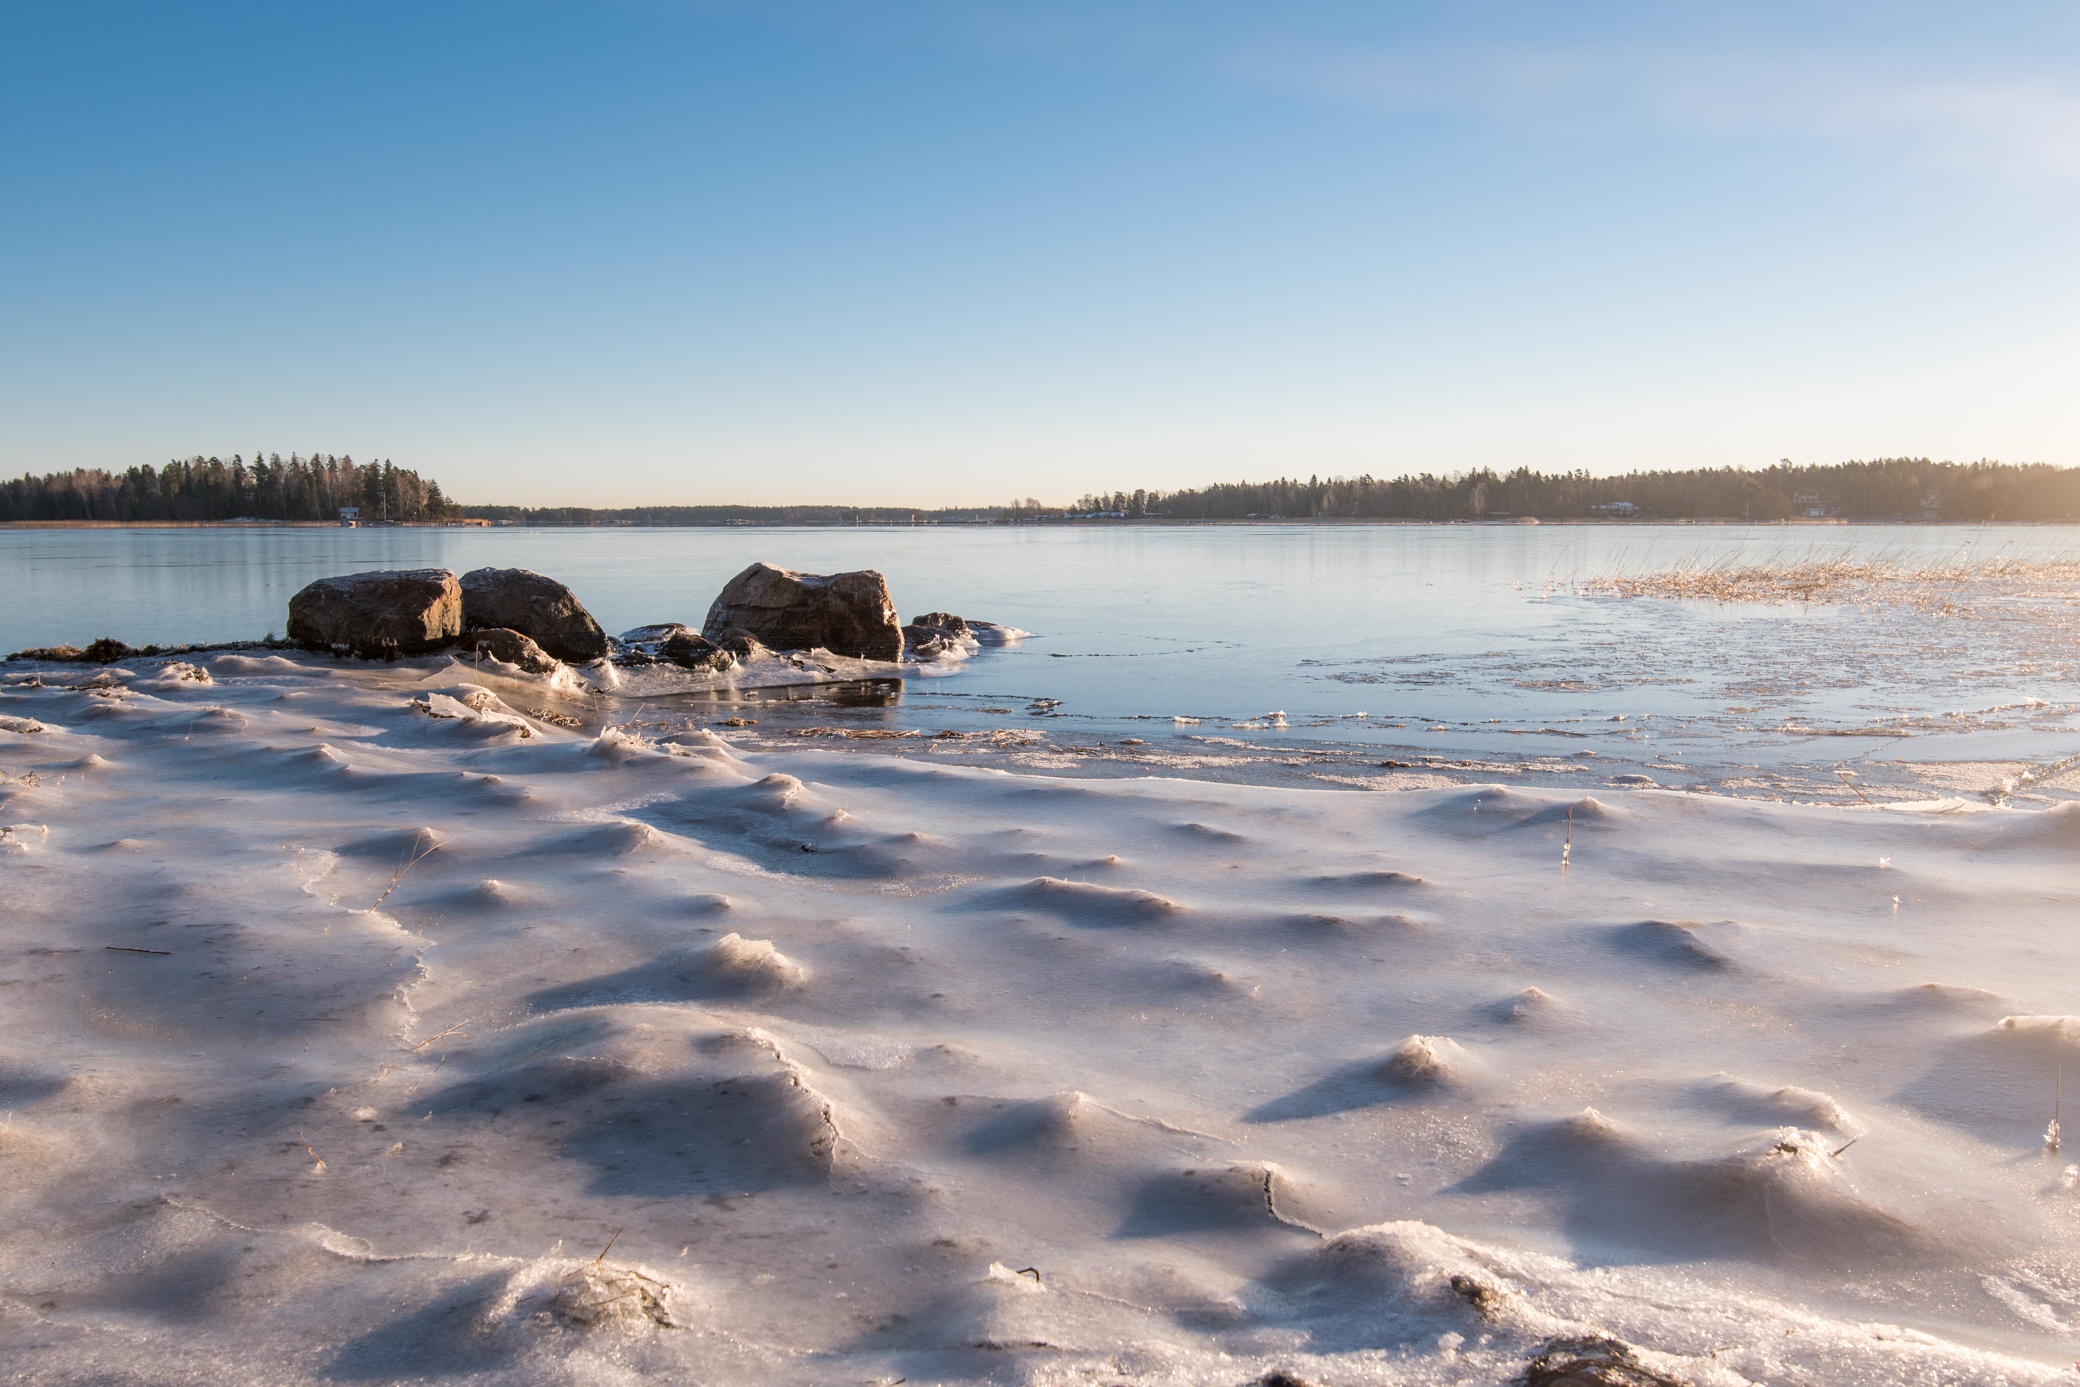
(540, 608)
(381, 614)
(844, 613)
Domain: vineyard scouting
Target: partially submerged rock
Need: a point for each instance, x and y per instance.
(675, 643)
(655, 634)
(379, 615)
(508, 646)
(105, 651)
(689, 650)
(1591, 1359)
(944, 636)
(942, 621)
(536, 606)
(844, 613)
(745, 646)
(932, 643)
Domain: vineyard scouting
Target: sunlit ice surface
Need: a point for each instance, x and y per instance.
(379, 1021)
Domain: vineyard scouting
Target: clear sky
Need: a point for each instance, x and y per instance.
(925, 253)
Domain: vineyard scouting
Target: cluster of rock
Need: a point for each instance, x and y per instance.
(511, 614)
(673, 643)
(523, 618)
(105, 651)
(520, 617)
(944, 636)
(936, 635)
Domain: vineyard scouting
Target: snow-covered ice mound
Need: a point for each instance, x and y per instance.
(370, 1023)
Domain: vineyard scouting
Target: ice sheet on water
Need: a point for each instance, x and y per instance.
(885, 1070)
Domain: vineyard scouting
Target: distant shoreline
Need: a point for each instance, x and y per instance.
(1150, 522)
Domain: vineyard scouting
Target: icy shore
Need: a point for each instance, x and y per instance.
(353, 1010)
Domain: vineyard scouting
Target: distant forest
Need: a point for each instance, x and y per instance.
(734, 515)
(1882, 489)
(198, 488)
(315, 487)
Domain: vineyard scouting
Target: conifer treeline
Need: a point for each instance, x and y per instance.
(733, 515)
(1884, 488)
(199, 488)
(315, 487)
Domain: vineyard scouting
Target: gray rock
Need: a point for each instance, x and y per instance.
(379, 615)
(944, 621)
(519, 599)
(697, 652)
(655, 634)
(964, 629)
(844, 613)
(744, 645)
(1594, 1359)
(930, 642)
(942, 635)
(104, 651)
(674, 642)
(509, 646)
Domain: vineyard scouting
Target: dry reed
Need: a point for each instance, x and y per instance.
(442, 1036)
(406, 860)
(1833, 580)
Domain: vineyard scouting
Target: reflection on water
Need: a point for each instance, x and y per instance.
(850, 693)
(867, 693)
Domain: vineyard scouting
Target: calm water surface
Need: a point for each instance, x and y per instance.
(1467, 637)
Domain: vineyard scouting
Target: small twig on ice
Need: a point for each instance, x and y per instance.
(404, 865)
(125, 949)
(609, 1247)
(1843, 776)
(442, 1036)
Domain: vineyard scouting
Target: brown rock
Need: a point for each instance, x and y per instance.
(538, 607)
(657, 633)
(844, 613)
(929, 642)
(691, 651)
(1592, 1360)
(105, 651)
(744, 645)
(944, 621)
(379, 615)
(509, 646)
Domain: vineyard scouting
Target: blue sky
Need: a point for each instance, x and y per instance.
(665, 251)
